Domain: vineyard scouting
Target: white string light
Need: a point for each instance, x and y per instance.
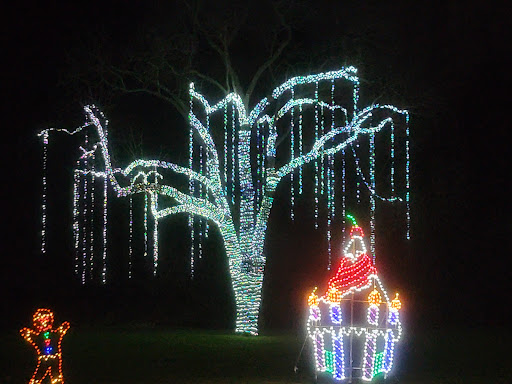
(372, 197)
(200, 237)
(105, 213)
(91, 218)
(215, 199)
(84, 216)
(191, 218)
(45, 192)
(331, 191)
(301, 149)
(130, 240)
(145, 225)
(233, 157)
(407, 175)
(154, 208)
(317, 191)
(76, 225)
(292, 156)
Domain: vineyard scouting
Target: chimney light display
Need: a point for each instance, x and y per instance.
(354, 326)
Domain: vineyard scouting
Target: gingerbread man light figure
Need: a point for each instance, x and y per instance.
(47, 342)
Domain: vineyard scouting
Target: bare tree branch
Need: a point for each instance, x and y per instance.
(272, 59)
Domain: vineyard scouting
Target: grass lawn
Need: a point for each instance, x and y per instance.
(115, 356)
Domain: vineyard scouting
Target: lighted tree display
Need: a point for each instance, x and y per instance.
(232, 183)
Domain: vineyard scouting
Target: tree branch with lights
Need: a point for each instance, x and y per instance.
(236, 192)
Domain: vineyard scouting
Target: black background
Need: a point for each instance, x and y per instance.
(452, 273)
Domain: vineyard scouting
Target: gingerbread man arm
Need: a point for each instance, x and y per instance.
(63, 328)
(26, 333)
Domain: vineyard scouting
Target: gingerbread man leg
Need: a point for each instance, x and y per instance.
(54, 371)
(57, 377)
(42, 369)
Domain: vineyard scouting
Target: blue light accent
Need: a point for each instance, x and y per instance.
(335, 314)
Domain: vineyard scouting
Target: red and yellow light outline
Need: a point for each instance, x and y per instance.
(43, 321)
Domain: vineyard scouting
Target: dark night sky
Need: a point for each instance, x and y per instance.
(456, 57)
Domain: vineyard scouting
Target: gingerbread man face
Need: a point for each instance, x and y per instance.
(43, 320)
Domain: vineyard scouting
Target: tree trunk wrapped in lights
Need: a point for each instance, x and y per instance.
(235, 190)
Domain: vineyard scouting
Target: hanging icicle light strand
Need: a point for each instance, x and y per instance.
(372, 198)
(154, 208)
(317, 191)
(91, 218)
(191, 192)
(292, 155)
(238, 198)
(130, 240)
(45, 192)
(85, 216)
(301, 149)
(407, 175)
(104, 259)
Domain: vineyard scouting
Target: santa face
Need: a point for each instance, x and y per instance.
(43, 320)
